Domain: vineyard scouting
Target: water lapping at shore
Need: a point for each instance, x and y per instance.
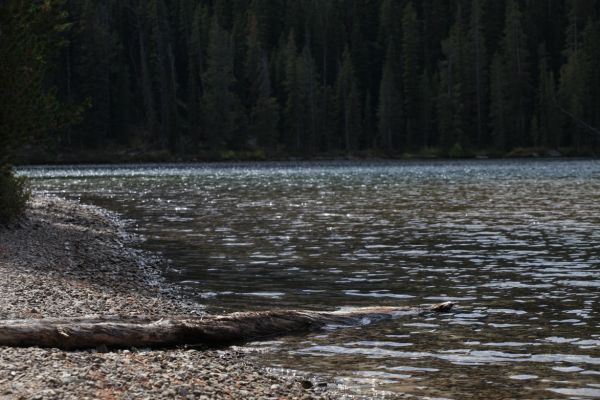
(66, 259)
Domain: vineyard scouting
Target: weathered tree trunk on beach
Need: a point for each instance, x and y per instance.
(119, 332)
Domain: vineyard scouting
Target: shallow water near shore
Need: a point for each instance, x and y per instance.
(515, 244)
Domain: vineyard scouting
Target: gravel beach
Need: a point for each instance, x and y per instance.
(66, 259)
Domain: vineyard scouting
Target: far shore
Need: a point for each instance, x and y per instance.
(126, 155)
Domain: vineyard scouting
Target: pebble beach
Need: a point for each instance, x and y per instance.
(66, 259)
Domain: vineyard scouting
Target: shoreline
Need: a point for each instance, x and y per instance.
(66, 259)
(104, 161)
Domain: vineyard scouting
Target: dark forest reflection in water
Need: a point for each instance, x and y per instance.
(515, 244)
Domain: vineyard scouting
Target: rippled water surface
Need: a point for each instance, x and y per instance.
(515, 244)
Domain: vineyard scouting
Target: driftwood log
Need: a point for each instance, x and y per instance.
(116, 332)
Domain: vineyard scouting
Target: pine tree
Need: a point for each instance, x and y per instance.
(264, 116)
(93, 71)
(30, 38)
(389, 29)
(264, 122)
(165, 79)
(547, 116)
(253, 60)
(454, 79)
(390, 121)
(516, 58)
(436, 24)
(499, 109)
(368, 124)
(590, 40)
(349, 105)
(149, 117)
(427, 106)
(221, 108)
(572, 94)
(411, 45)
(196, 62)
(478, 63)
(578, 13)
(308, 97)
(293, 114)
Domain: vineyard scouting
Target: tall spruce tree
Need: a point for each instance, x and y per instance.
(349, 105)
(390, 110)
(478, 65)
(454, 84)
(293, 113)
(499, 108)
(517, 63)
(264, 115)
(547, 117)
(411, 55)
(30, 37)
(96, 51)
(309, 96)
(196, 63)
(221, 108)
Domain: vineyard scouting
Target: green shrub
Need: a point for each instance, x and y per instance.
(14, 194)
(457, 151)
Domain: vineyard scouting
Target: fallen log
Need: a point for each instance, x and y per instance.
(116, 332)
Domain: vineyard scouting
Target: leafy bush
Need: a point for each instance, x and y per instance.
(14, 194)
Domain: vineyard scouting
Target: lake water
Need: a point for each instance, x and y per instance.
(516, 244)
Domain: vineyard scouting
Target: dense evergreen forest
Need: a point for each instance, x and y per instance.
(219, 78)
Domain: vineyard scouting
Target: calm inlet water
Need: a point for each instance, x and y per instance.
(515, 244)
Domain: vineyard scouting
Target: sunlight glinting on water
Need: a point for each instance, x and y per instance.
(515, 244)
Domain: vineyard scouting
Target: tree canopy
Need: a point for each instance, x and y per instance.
(306, 77)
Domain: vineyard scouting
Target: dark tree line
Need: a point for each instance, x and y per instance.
(31, 34)
(331, 76)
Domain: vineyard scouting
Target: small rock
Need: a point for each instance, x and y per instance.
(306, 384)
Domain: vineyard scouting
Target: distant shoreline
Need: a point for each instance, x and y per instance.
(132, 156)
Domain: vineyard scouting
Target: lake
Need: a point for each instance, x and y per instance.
(515, 244)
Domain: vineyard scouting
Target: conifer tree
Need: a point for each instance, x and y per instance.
(166, 82)
(590, 40)
(221, 108)
(454, 80)
(478, 65)
(411, 45)
(264, 115)
(390, 113)
(427, 107)
(390, 31)
(517, 63)
(349, 105)
(547, 116)
(196, 63)
(294, 118)
(309, 92)
(30, 37)
(499, 109)
(93, 71)
(368, 123)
